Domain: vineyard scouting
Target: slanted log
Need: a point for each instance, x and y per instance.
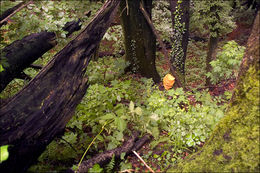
(41, 110)
(22, 53)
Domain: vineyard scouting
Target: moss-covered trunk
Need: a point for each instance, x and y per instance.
(234, 144)
(139, 40)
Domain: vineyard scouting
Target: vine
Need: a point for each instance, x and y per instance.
(177, 52)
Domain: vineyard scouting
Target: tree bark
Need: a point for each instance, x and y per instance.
(165, 52)
(139, 41)
(22, 53)
(185, 19)
(234, 144)
(40, 111)
(212, 46)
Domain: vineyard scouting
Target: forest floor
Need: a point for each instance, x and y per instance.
(240, 34)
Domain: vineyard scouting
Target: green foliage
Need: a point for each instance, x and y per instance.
(129, 103)
(106, 69)
(110, 165)
(4, 154)
(187, 125)
(227, 62)
(137, 104)
(41, 16)
(214, 15)
(95, 168)
(162, 19)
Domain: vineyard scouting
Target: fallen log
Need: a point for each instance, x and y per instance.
(41, 110)
(22, 53)
(72, 26)
(11, 11)
(132, 144)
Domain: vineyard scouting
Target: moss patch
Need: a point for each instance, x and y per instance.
(234, 145)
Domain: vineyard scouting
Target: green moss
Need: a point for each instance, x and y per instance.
(234, 144)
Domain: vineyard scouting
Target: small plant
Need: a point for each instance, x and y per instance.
(227, 62)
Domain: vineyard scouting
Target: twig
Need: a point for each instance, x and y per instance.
(5, 19)
(68, 144)
(177, 79)
(127, 170)
(139, 157)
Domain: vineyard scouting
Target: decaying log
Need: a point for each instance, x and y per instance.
(72, 26)
(41, 110)
(22, 53)
(10, 12)
(132, 144)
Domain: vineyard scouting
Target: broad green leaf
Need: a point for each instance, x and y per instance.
(4, 154)
(107, 116)
(138, 111)
(131, 106)
(120, 123)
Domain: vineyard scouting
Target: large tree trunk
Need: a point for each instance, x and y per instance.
(234, 144)
(140, 45)
(179, 62)
(22, 53)
(40, 111)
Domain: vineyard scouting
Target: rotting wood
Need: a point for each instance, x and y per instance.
(41, 110)
(12, 12)
(132, 144)
(72, 26)
(22, 53)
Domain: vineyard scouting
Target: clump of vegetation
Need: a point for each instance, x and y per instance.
(116, 103)
(227, 62)
(127, 104)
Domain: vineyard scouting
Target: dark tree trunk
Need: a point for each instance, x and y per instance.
(212, 46)
(40, 111)
(234, 144)
(22, 53)
(140, 45)
(185, 19)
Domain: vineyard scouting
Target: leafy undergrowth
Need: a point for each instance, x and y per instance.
(179, 121)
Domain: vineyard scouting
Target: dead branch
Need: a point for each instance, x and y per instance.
(132, 144)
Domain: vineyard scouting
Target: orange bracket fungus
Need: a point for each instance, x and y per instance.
(168, 81)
